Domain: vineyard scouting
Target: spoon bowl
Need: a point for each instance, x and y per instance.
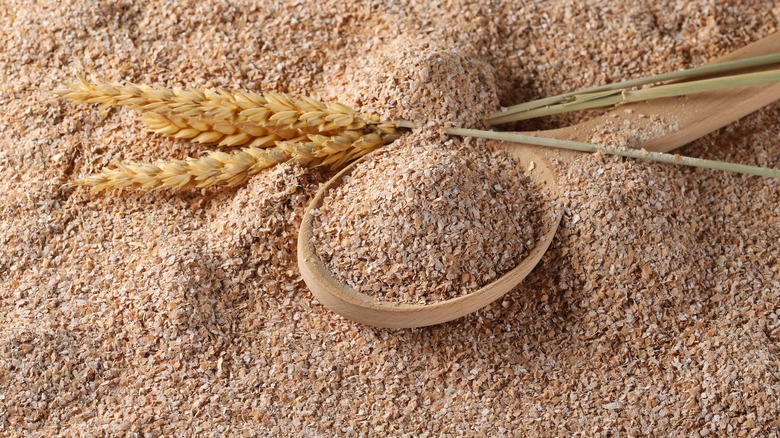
(348, 302)
(692, 116)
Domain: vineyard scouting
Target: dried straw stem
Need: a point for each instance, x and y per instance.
(727, 76)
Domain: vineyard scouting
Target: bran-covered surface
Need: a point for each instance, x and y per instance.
(656, 311)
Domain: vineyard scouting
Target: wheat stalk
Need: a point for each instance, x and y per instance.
(275, 127)
(686, 74)
(215, 131)
(335, 151)
(605, 96)
(611, 98)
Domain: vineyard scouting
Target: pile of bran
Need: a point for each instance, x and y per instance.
(429, 219)
(655, 312)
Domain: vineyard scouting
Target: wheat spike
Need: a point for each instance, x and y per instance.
(210, 131)
(222, 117)
(335, 151)
(216, 167)
(230, 169)
(271, 128)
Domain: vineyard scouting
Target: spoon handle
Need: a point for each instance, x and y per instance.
(688, 117)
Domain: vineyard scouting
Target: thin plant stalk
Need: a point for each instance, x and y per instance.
(629, 153)
(607, 99)
(505, 116)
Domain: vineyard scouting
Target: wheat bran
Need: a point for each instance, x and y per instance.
(424, 82)
(655, 312)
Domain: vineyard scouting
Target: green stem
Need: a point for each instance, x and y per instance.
(606, 99)
(725, 67)
(630, 153)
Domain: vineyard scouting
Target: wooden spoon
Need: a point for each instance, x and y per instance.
(694, 116)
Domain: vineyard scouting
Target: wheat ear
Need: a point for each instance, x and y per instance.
(216, 167)
(230, 169)
(214, 131)
(335, 151)
(222, 117)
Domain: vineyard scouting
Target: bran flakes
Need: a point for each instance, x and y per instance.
(655, 312)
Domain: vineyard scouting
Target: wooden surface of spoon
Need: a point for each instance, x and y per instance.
(692, 116)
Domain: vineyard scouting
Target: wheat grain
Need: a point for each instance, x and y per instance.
(205, 117)
(334, 152)
(218, 132)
